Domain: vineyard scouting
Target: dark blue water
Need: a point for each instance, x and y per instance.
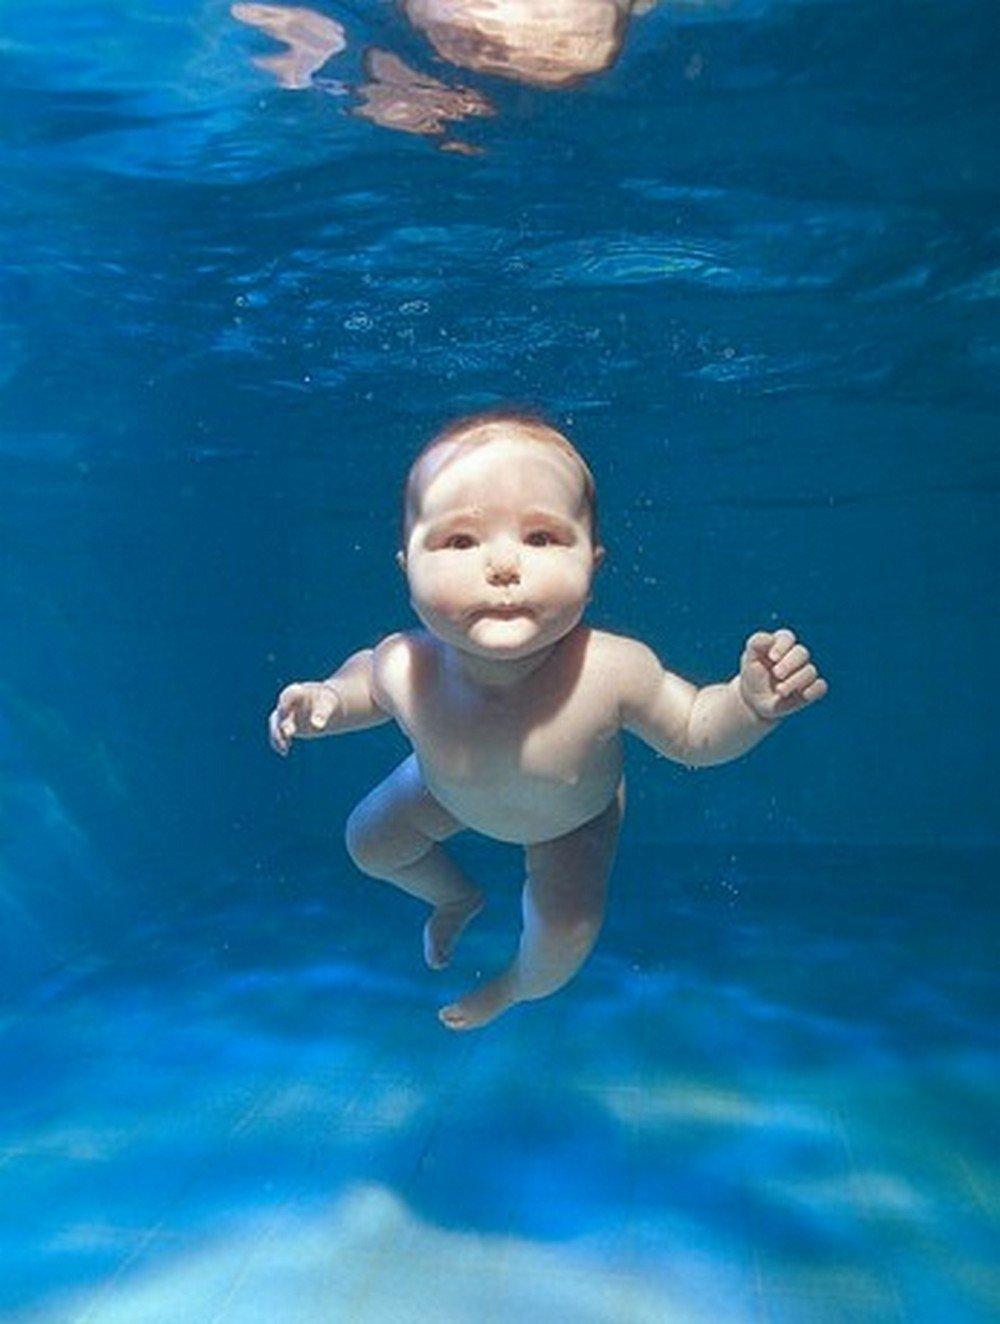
(753, 270)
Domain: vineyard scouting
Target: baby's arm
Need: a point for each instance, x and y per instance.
(344, 701)
(716, 723)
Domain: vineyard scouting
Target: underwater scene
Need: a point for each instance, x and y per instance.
(744, 255)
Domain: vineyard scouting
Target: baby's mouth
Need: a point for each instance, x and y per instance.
(502, 611)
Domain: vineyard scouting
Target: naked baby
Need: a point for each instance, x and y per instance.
(514, 707)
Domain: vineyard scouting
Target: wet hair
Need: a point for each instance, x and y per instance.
(529, 426)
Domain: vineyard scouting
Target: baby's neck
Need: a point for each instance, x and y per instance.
(496, 676)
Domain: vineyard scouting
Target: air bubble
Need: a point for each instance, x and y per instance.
(358, 322)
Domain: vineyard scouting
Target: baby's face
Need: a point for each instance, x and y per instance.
(499, 559)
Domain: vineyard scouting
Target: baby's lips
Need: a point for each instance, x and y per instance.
(501, 611)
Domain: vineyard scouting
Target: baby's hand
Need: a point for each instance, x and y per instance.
(302, 710)
(776, 676)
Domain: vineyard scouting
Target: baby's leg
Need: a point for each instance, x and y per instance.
(393, 834)
(563, 907)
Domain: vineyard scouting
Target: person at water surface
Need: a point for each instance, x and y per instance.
(514, 707)
(543, 43)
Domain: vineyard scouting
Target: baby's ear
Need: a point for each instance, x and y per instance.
(599, 555)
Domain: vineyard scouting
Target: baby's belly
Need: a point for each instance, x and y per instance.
(527, 808)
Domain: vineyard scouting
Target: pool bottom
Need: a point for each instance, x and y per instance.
(768, 1096)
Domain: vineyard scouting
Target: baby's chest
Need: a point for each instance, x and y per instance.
(461, 742)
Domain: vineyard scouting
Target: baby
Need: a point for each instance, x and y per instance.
(514, 707)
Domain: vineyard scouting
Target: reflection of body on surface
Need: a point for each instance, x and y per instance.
(548, 43)
(543, 43)
(310, 39)
(513, 707)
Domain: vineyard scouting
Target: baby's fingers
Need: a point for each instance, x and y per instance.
(794, 659)
(324, 706)
(798, 680)
(758, 643)
(783, 640)
(288, 725)
(803, 688)
(278, 742)
(753, 663)
(290, 702)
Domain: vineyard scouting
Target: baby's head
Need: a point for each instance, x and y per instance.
(549, 43)
(499, 538)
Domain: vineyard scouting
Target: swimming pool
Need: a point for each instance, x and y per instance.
(752, 269)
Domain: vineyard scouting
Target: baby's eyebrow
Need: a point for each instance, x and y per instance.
(465, 513)
(452, 517)
(538, 512)
(535, 512)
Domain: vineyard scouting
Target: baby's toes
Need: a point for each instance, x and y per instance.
(454, 1017)
(436, 953)
(444, 925)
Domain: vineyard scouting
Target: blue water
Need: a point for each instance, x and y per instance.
(753, 270)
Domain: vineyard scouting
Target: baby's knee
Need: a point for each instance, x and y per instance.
(377, 846)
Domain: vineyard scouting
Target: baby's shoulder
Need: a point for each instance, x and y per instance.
(610, 652)
(398, 661)
(621, 663)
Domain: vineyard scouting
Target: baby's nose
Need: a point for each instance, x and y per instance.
(503, 574)
(502, 566)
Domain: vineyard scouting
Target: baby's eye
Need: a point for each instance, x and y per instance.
(456, 541)
(540, 533)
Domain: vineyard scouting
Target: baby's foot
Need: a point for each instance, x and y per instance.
(445, 924)
(483, 1004)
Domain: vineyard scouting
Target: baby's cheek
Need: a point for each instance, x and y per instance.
(442, 593)
(564, 581)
